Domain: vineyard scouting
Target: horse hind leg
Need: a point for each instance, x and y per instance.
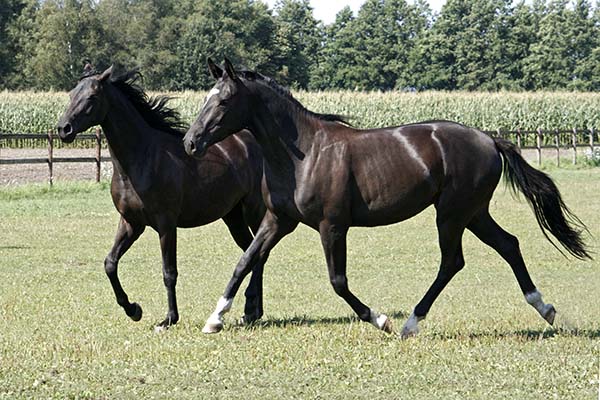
(450, 233)
(507, 245)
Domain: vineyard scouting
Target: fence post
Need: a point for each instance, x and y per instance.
(592, 141)
(98, 154)
(557, 145)
(539, 146)
(519, 138)
(50, 156)
(574, 144)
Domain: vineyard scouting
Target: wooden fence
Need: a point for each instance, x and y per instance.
(97, 137)
(557, 140)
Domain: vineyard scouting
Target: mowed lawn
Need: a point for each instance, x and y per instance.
(62, 335)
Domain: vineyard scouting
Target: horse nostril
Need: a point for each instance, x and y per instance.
(190, 147)
(65, 130)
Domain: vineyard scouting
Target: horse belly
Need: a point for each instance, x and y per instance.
(398, 206)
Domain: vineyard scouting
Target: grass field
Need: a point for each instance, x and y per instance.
(62, 334)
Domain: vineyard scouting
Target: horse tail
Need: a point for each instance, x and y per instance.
(550, 211)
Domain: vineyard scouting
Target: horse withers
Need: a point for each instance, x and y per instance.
(330, 176)
(155, 183)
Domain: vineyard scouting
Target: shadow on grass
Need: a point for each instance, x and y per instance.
(305, 320)
(15, 247)
(523, 334)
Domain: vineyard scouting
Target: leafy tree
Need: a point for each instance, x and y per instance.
(523, 25)
(372, 50)
(67, 33)
(338, 57)
(141, 34)
(465, 48)
(242, 30)
(298, 39)
(584, 38)
(548, 65)
(9, 12)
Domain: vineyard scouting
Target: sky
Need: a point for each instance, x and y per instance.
(325, 10)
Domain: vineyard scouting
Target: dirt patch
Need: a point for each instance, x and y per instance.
(18, 174)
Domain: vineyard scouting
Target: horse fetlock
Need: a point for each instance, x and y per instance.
(166, 323)
(547, 311)
(250, 318)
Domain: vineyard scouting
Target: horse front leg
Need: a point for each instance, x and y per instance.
(272, 230)
(240, 232)
(127, 234)
(168, 247)
(333, 239)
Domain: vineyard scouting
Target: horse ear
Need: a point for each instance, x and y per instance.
(103, 76)
(88, 68)
(229, 69)
(214, 69)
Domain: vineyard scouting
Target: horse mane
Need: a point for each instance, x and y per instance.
(285, 92)
(154, 110)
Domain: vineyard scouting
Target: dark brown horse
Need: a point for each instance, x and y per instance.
(329, 176)
(155, 183)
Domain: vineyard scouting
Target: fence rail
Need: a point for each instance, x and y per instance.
(557, 139)
(97, 137)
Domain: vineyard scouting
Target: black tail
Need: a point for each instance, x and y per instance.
(551, 212)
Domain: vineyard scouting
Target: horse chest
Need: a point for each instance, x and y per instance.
(136, 204)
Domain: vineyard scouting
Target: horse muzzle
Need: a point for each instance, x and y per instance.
(66, 132)
(194, 149)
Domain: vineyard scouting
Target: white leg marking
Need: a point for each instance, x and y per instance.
(411, 327)
(547, 311)
(214, 323)
(381, 321)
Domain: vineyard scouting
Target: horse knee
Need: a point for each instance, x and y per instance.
(170, 278)
(110, 266)
(339, 284)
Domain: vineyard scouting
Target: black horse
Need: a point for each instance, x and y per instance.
(155, 183)
(329, 176)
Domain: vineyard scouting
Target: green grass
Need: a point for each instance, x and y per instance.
(62, 334)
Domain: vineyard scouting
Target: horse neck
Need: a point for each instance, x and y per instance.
(284, 131)
(127, 133)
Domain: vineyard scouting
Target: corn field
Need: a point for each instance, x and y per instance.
(30, 112)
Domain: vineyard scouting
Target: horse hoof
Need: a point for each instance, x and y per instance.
(387, 326)
(411, 327)
(210, 328)
(160, 329)
(550, 314)
(137, 313)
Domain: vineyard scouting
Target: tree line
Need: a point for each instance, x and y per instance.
(388, 45)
